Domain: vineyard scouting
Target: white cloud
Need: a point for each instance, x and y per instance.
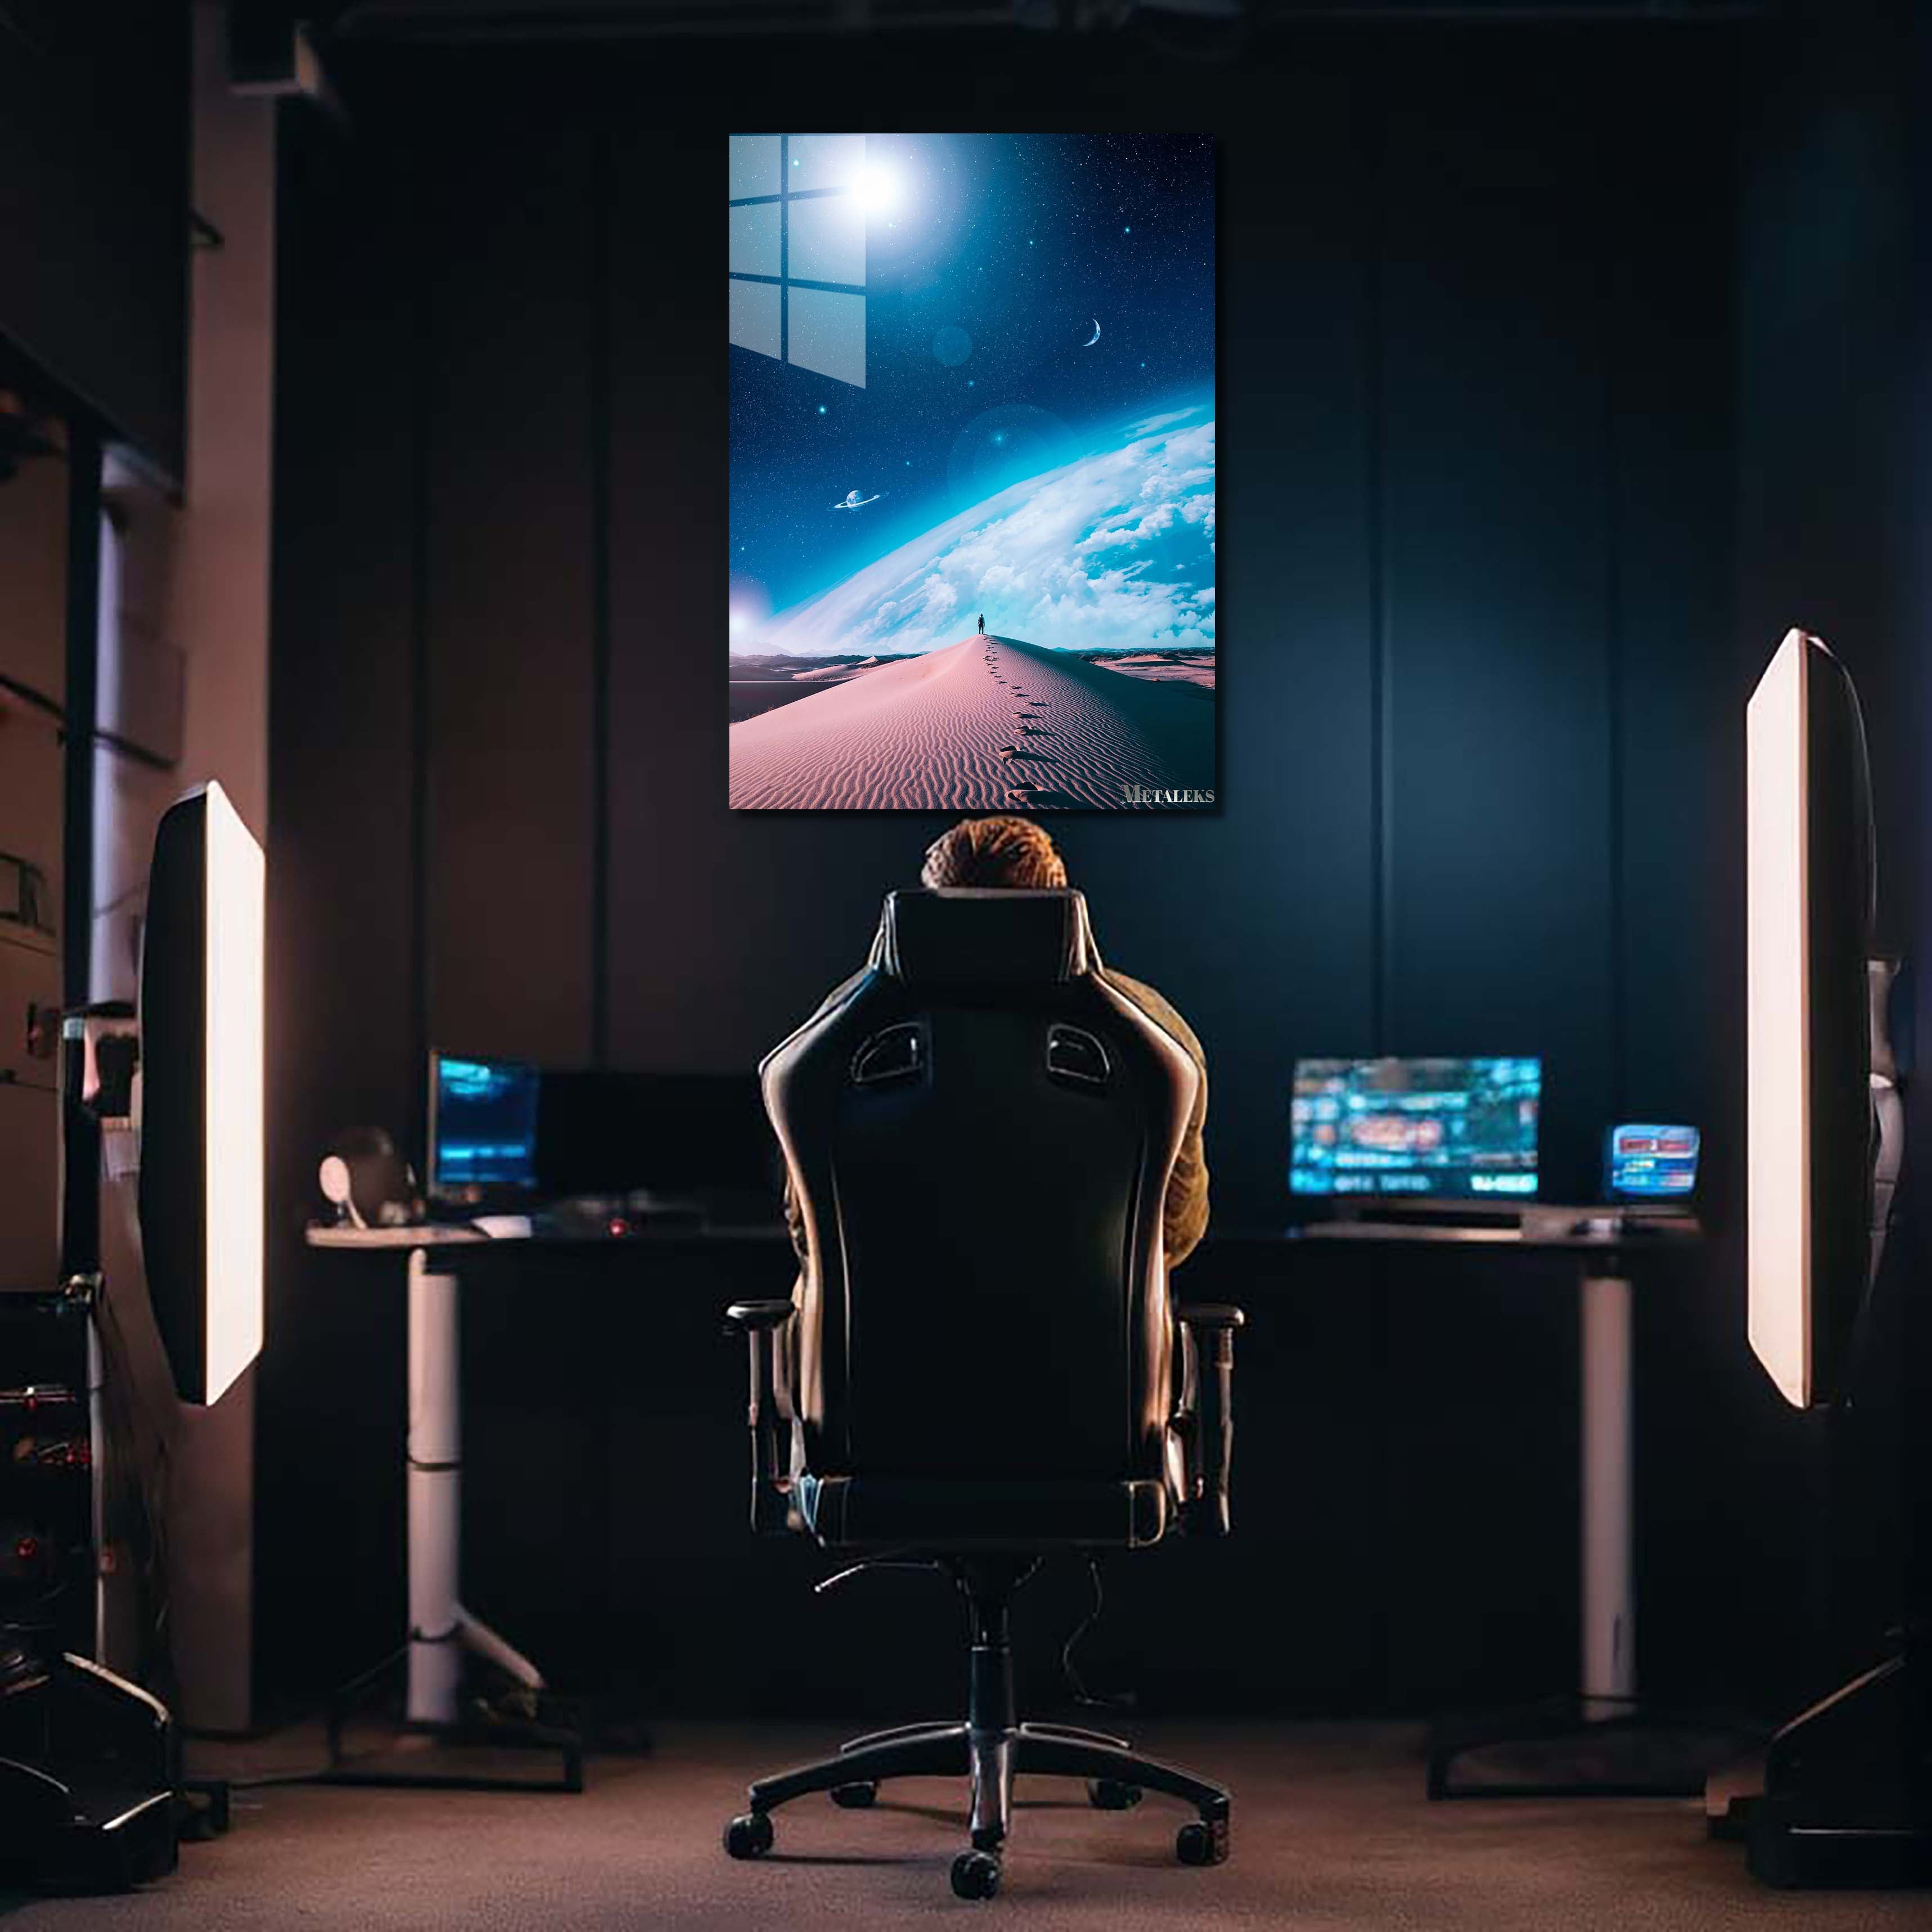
(1147, 425)
(1052, 559)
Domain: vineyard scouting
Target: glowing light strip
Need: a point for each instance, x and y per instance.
(232, 1070)
(1778, 883)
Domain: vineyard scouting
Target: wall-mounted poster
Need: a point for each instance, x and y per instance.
(972, 560)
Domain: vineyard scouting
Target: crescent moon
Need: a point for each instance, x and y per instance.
(1095, 337)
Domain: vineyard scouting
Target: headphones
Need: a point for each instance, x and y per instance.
(369, 1184)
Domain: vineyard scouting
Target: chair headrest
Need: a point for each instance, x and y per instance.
(965, 936)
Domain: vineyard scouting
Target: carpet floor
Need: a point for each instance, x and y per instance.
(1331, 1830)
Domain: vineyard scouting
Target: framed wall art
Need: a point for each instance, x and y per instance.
(972, 434)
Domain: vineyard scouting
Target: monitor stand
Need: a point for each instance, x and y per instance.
(1847, 1795)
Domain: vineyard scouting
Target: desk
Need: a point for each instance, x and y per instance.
(441, 1630)
(1604, 1244)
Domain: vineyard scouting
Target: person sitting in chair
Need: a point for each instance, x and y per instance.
(1016, 855)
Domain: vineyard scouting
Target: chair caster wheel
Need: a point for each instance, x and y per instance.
(749, 1836)
(1109, 1794)
(1202, 1841)
(976, 1874)
(855, 1797)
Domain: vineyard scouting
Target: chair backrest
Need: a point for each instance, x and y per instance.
(980, 1134)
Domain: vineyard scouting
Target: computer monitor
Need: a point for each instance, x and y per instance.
(1437, 1129)
(482, 1128)
(604, 1131)
(202, 1030)
(1645, 1162)
(1810, 894)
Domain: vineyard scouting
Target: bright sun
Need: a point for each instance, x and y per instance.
(878, 188)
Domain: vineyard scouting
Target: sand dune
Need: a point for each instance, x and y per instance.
(986, 724)
(829, 674)
(769, 681)
(1193, 671)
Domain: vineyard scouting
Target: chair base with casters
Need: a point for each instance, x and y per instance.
(990, 1750)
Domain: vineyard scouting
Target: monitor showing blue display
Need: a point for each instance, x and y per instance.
(483, 1126)
(1443, 1128)
(1646, 1163)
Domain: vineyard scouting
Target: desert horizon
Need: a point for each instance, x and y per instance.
(762, 680)
(985, 724)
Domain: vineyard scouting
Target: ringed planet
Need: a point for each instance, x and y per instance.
(852, 500)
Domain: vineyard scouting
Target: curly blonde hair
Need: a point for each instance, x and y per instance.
(1003, 851)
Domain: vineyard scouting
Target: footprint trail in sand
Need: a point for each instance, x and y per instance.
(1039, 729)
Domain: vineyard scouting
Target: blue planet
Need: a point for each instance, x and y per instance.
(1099, 541)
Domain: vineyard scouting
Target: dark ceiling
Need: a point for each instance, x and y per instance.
(611, 19)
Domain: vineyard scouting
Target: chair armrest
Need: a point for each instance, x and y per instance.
(1209, 1327)
(762, 1325)
(1204, 1315)
(744, 1317)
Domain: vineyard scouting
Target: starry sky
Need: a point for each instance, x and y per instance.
(986, 273)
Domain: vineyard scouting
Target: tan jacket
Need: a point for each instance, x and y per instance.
(1184, 1213)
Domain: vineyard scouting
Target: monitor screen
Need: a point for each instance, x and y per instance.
(602, 1131)
(483, 1125)
(1449, 1128)
(1647, 1163)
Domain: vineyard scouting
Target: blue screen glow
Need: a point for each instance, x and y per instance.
(1450, 1129)
(1645, 1162)
(486, 1125)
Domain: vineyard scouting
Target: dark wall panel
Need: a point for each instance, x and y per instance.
(1678, 777)
(1497, 560)
(345, 911)
(508, 599)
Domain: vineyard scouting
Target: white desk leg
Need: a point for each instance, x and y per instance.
(435, 1480)
(1610, 1603)
(440, 1629)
